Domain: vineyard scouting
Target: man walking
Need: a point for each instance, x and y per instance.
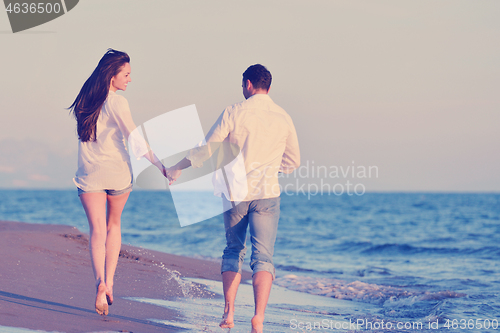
(269, 145)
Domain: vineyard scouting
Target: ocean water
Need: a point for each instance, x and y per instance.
(381, 262)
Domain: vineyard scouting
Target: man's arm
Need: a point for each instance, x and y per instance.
(196, 156)
(291, 155)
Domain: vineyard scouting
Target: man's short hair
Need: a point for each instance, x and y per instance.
(259, 76)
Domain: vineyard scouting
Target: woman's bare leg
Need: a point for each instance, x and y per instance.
(114, 239)
(94, 205)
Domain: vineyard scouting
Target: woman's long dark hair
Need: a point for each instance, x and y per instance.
(87, 106)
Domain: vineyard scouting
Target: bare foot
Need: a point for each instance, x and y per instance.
(109, 295)
(101, 304)
(227, 320)
(257, 324)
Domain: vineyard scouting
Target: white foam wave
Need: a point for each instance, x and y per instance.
(387, 296)
(9, 329)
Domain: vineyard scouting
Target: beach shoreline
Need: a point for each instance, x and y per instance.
(46, 282)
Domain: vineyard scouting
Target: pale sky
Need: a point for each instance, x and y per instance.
(411, 87)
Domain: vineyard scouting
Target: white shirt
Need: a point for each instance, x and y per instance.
(268, 141)
(105, 163)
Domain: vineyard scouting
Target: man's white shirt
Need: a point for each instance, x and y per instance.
(268, 141)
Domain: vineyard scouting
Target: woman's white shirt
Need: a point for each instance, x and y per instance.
(105, 163)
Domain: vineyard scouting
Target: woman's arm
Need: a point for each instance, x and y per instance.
(140, 147)
(169, 173)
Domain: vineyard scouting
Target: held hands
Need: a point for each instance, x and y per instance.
(171, 174)
(175, 171)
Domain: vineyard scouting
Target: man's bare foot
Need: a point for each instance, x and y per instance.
(101, 304)
(227, 320)
(257, 324)
(109, 295)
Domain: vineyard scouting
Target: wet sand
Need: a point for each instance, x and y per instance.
(46, 283)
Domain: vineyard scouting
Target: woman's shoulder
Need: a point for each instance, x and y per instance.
(117, 102)
(114, 97)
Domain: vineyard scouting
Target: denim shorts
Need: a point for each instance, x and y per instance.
(108, 192)
(261, 217)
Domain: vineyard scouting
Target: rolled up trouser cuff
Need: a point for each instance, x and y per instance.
(231, 265)
(263, 265)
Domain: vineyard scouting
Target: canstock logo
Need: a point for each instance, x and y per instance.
(220, 166)
(26, 14)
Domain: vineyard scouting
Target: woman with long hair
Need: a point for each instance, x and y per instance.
(104, 175)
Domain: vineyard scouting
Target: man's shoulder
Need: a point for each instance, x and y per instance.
(236, 106)
(258, 102)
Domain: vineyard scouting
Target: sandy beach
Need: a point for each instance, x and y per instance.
(337, 264)
(46, 282)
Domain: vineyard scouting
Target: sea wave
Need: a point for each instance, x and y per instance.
(405, 249)
(387, 296)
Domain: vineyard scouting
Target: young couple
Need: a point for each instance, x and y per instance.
(262, 129)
